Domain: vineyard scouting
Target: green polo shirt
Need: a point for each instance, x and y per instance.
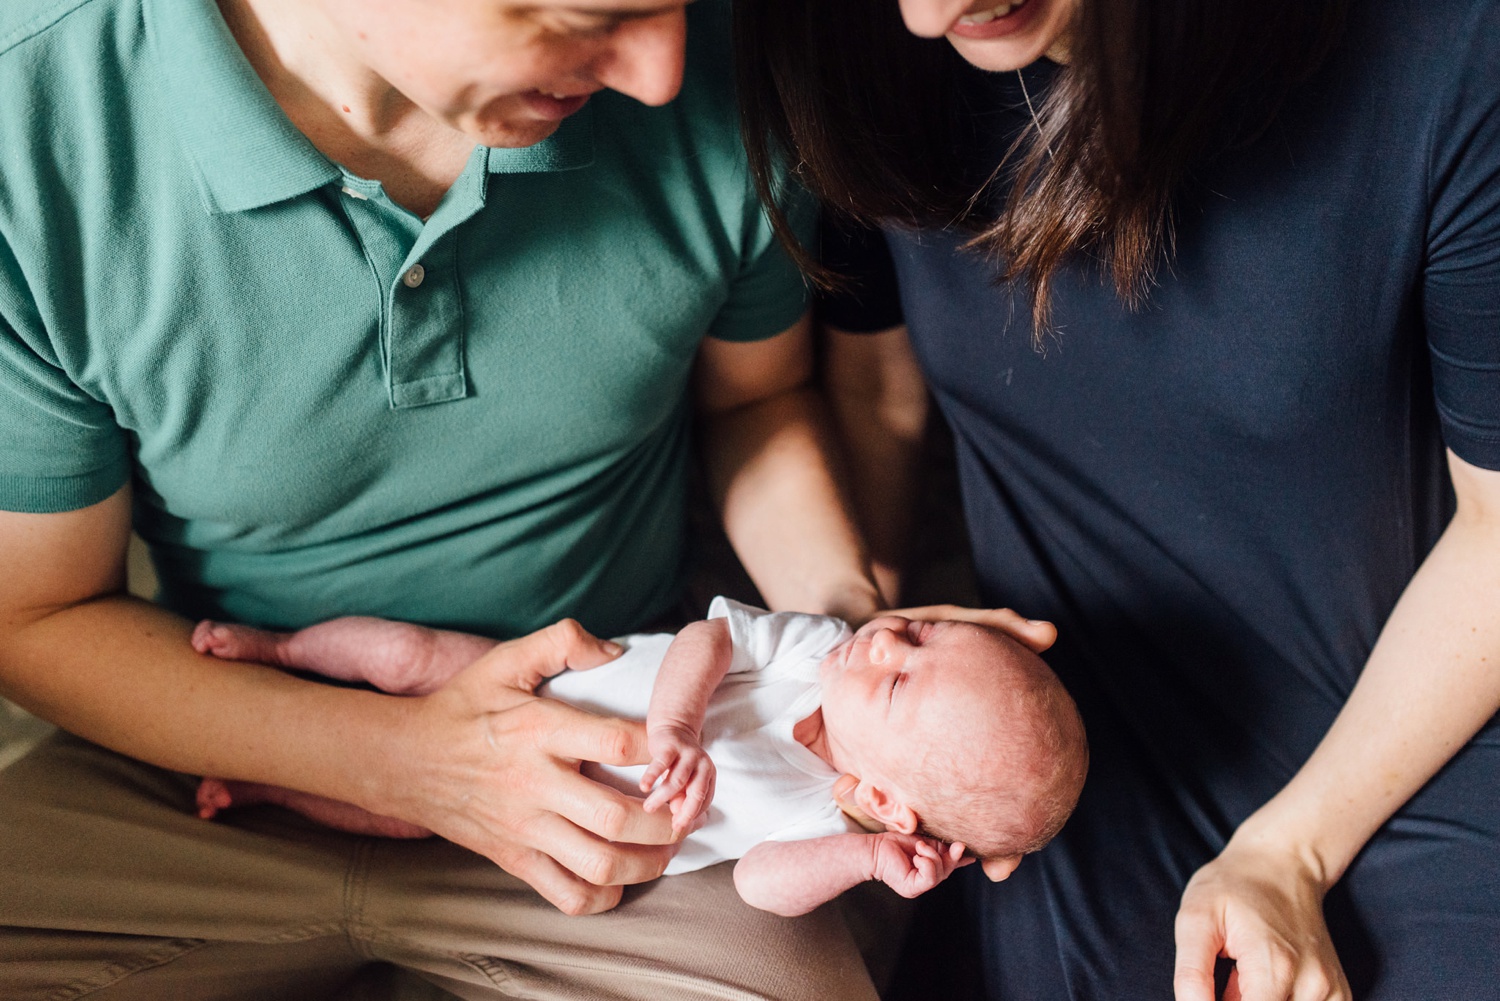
(327, 405)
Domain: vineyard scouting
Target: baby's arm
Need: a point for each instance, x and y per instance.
(695, 663)
(793, 877)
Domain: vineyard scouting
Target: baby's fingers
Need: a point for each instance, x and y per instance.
(696, 797)
(671, 785)
(658, 767)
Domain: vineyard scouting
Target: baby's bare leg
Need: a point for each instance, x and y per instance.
(396, 657)
(216, 794)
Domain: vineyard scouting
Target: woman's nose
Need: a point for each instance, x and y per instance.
(932, 18)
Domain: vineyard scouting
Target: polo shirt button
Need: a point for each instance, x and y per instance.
(414, 275)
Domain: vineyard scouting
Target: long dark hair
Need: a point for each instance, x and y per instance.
(869, 118)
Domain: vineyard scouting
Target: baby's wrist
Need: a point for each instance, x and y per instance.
(673, 729)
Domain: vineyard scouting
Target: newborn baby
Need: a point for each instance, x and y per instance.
(958, 738)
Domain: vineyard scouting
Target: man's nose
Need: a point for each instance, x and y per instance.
(645, 58)
(932, 18)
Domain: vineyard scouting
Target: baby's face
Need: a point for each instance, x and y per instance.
(901, 688)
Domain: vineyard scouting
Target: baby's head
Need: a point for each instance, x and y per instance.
(956, 730)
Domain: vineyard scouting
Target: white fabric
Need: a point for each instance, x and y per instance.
(769, 786)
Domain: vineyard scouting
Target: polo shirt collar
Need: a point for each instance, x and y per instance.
(246, 151)
(569, 148)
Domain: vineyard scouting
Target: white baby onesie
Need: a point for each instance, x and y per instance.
(769, 787)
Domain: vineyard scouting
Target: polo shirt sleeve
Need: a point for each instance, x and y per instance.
(1461, 284)
(868, 298)
(60, 448)
(768, 293)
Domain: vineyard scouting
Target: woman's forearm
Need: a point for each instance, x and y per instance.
(1432, 680)
(879, 405)
(769, 455)
(783, 510)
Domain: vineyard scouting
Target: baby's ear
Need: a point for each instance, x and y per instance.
(843, 794)
(882, 806)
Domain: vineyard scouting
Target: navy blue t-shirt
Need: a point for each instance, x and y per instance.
(1220, 497)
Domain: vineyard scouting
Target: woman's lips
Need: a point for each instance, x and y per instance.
(998, 20)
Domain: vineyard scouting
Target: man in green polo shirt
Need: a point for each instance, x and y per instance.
(391, 307)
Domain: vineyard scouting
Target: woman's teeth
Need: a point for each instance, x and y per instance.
(986, 16)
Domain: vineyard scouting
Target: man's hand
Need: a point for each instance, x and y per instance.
(489, 766)
(911, 865)
(1264, 910)
(685, 772)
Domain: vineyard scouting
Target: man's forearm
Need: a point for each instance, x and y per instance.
(120, 672)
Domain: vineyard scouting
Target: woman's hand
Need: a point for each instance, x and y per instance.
(490, 766)
(1261, 906)
(1034, 634)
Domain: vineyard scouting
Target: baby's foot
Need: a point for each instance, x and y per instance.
(231, 642)
(217, 794)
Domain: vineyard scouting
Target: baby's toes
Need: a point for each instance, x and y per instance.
(231, 642)
(213, 796)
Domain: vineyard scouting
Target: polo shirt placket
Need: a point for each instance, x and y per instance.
(415, 267)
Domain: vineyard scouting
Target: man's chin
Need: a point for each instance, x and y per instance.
(510, 135)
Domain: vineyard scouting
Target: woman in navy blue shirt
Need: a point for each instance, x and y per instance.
(1209, 295)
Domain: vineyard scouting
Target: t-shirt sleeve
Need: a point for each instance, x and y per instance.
(762, 639)
(60, 448)
(768, 294)
(1461, 283)
(867, 298)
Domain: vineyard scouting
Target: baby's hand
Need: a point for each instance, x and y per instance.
(912, 865)
(685, 772)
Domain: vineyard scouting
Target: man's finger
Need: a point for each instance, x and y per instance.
(564, 731)
(597, 861)
(559, 887)
(1198, 943)
(529, 660)
(603, 811)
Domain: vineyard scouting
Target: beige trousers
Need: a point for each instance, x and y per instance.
(111, 889)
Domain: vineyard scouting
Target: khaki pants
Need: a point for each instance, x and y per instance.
(110, 888)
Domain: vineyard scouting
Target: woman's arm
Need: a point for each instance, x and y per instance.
(879, 404)
(793, 877)
(1432, 680)
(480, 762)
(768, 454)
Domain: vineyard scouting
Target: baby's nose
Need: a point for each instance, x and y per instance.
(881, 645)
